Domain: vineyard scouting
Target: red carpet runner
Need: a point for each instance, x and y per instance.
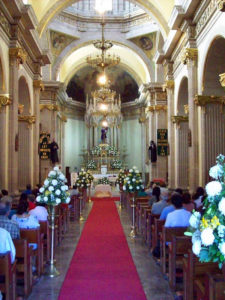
(102, 267)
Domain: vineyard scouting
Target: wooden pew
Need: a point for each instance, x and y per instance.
(145, 224)
(194, 270)
(8, 276)
(166, 236)
(34, 236)
(156, 230)
(179, 246)
(44, 227)
(24, 265)
(151, 220)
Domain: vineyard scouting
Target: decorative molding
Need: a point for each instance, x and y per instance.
(179, 119)
(29, 119)
(20, 109)
(5, 23)
(186, 109)
(204, 100)
(189, 54)
(63, 117)
(19, 54)
(169, 84)
(142, 119)
(39, 85)
(222, 80)
(221, 5)
(4, 101)
(51, 107)
(153, 108)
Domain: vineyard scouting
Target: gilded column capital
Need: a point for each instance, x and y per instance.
(222, 80)
(19, 54)
(29, 119)
(204, 100)
(51, 107)
(142, 119)
(153, 108)
(4, 101)
(169, 84)
(179, 119)
(63, 118)
(221, 5)
(39, 85)
(189, 54)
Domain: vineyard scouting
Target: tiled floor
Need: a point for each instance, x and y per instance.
(154, 284)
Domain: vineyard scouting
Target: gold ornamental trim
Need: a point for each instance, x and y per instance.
(39, 85)
(29, 119)
(153, 108)
(221, 5)
(4, 101)
(169, 84)
(19, 54)
(51, 107)
(222, 80)
(63, 118)
(186, 109)
(189, 54)
(179, 119)
(204, 100)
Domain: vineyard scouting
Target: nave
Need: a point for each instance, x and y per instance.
(152, 281)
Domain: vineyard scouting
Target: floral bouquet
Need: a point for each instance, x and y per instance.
(116, 164)
(54, 190)
(133, 181)
(112, 151)
(96, 151)
(90, 176)
(208, 230)
(91, 165)
(103, 180)
(83, 181)
(121, 177)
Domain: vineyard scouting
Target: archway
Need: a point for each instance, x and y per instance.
(182, 136)
(24, 131)
(213, 112)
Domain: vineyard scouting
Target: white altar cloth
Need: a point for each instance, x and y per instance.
(103, 190)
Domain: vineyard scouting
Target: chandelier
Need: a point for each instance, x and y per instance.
(103, 107)
(103, 60)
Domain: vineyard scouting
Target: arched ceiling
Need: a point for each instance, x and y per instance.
(131, 62)
(45, 10)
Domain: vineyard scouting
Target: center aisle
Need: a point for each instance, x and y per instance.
(102, 266)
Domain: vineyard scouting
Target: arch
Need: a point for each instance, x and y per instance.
(86, 41)
(128, 58)
(46, 10)
(212, 119)
(24, 130)
(182, 98)
(3, 81)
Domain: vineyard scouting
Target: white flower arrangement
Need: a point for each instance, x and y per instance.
(133, 181)
(116, 164)
(208, 230)
(104, 180)
(121, 177)
(83, 180)
(54, 190)
(91, 165)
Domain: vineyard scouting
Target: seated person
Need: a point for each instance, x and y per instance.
(9, 225)
(35, 191)
(6, 199)
(31, 201)
(24, 220)
(6, 244)
(5, 193)
(158, 207)
(187, 203)
(28, 191)
(180, 216)
(39, 212)
(149, 188)
(155, 195)
(179, 191)
(198, 197)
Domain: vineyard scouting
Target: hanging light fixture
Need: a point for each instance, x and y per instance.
(101, 6)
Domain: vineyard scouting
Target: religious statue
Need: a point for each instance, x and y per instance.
(104, 135)
(152, 152)
(54, 152)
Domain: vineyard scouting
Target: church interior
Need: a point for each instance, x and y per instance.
(112, 149)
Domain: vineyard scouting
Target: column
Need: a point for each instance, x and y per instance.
(38, 87)
(15, 55)
(190, 59)
(143, 145)
(95, 136)
(169, 86)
